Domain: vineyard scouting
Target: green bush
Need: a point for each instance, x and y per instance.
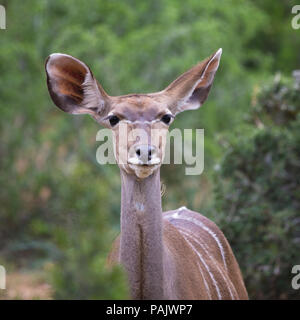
(258, 195)
(277, 101)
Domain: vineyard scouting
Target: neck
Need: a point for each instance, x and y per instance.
(141, 248)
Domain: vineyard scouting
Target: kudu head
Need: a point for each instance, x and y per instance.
(139, 121)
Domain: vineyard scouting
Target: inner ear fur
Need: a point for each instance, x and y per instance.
(73, 87)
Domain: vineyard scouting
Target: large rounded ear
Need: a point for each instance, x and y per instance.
(191, 89)
(73, 87)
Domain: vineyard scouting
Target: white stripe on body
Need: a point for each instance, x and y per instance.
(205, 248)
(205, 282)
(202, 226)
(207, 268)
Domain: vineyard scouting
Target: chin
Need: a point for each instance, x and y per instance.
(141, 171)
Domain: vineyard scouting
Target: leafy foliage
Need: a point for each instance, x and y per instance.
(278, 101)
(258, 197)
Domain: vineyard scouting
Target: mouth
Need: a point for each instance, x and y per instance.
(143, 170)
(149, 163)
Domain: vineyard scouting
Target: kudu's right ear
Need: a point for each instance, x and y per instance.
(73, 87)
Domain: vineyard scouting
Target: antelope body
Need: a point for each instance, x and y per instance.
(177, 254)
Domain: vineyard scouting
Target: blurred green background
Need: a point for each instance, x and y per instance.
(59, 209)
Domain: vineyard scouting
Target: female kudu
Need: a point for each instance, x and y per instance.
(178, 254)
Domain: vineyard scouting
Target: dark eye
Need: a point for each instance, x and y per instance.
(113, 120)
(166, 119)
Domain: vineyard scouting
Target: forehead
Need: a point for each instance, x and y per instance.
(138, 107)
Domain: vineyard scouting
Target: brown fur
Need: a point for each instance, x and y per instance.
(182, 284)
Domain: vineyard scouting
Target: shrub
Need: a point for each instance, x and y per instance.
(278, 101)
(257, 195)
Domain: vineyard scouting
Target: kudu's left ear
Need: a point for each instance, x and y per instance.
(191, 89)
(73, 87)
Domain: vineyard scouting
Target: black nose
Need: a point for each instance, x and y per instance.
(144, 152)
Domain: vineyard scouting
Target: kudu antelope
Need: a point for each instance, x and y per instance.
(177, 254)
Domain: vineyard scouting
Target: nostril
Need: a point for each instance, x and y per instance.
(138, 152)
(149, 153)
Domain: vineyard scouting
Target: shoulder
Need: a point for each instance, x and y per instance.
(200, 231)
(186, 218)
